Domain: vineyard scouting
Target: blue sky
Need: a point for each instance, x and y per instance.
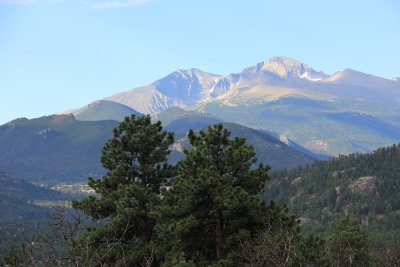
(62, 54)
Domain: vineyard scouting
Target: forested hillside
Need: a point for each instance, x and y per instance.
(211, 213)
(269, 149)
(23, 206)
(17, 199)
(364, 185)
(58, 149)
(53, 149)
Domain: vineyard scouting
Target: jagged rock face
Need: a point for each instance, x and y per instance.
(286, 96)
(184, 88)
(365, 185)
(224, 84)
(181, 88)
(284, 67)
(190, 86)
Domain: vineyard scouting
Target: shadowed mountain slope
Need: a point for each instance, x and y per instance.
(53, 149)
(104, 110)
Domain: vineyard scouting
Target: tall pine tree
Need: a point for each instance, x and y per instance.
(214, 202)
(136, 162)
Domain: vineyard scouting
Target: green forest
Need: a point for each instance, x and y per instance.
(364, 185)
(216, 207)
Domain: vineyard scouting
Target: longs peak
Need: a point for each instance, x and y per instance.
(286, 67)
(184, 88)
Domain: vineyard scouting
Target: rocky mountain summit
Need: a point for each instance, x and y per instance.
(187, 88)
(348, 111)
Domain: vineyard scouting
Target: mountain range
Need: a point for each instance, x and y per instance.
(279, 104)
(346, 112)
(290, 113)
(62, 149)
(271, 80)
(269, 149)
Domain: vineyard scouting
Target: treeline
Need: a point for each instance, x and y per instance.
(205, 211)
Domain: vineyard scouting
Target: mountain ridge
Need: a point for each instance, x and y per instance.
(363, 185)
(61, 149)
(185, 88)
(285, 96)
(104, 110)
(190, 87)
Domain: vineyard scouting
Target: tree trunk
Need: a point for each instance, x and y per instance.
(219, 239)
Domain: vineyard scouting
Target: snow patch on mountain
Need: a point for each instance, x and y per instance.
(307, 76)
